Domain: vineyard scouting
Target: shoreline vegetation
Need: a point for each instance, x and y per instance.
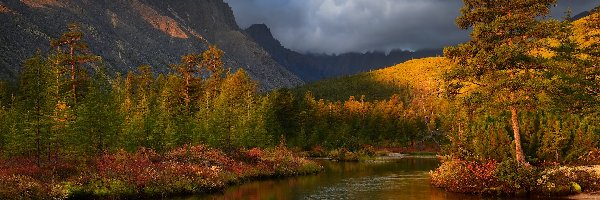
(508, 178)
(146, 173)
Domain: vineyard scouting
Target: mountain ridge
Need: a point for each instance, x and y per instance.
(314, 67)
(130, 33)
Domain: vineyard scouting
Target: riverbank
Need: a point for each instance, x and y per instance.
(145, 173)
(509, 179)
(368, 152)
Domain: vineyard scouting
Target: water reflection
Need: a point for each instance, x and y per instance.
(396, 179)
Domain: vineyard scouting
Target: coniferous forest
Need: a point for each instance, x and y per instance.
(513, 111)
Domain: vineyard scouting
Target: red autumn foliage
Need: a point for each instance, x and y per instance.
(189, 169)
(465, 176)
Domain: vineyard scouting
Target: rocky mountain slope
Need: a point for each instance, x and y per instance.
(129, 33)
(312, 67)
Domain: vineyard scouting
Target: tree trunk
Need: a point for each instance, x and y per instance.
(73, 83)
(187, 92)
(520, 155)
(38, 135)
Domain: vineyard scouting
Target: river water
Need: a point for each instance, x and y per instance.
(399, 178)
(405, 178)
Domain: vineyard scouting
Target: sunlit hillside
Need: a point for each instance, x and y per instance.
(419, 76)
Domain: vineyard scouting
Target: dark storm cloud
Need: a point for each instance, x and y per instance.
(338, 26)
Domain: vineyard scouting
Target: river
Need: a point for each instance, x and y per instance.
(405, 178)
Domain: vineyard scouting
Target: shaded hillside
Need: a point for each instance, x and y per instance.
(129, 33)
(313, 67)
(418, 76)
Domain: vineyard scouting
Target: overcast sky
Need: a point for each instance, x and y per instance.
(339, 26)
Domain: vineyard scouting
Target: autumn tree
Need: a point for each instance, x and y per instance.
(499, 60)
(234, 105)
(189, 69)
(576, 82)
(213, 65)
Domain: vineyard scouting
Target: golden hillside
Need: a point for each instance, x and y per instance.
(414, 77)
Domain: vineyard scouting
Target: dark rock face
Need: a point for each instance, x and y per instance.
(313, 67)
(130, 33)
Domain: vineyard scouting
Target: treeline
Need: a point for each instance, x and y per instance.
(354, 123)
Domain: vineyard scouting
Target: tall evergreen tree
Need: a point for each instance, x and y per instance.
(499, 59)
(71, 52)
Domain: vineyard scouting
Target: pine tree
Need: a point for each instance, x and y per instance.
(71, 53)
(499, 59)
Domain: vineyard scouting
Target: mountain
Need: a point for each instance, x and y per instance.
(130, 33)
(313, 67)
(585, 13)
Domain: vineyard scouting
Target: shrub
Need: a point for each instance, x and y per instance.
(317, 151)
(343, 155)
(515, 179)
(23, 187)
(567, 180)
(367, 151)
(466, 176)
(186, 170)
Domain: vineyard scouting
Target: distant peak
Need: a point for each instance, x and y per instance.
(262, 34)
(259, 28)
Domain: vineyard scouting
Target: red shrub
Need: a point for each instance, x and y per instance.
(465, 176)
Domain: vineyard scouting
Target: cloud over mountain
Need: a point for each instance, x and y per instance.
(338, 26)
